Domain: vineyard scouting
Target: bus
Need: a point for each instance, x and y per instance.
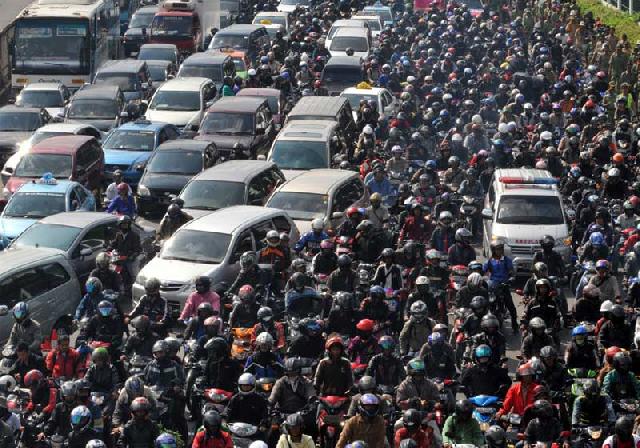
(64, 41)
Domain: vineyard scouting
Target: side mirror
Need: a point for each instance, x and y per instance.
(8, 170)
(85, 252)
(337, 215)
(144, 31)
(124, 115)
(4, 310)
(487, 213)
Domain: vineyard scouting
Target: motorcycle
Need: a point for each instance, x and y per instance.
(588, 437)
(457, 279)
(485, 410)
(579, 378)
(242, 434)
(241, 345)
(331, 414)
(468, 211)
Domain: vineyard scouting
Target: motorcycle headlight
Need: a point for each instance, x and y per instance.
(143, 190)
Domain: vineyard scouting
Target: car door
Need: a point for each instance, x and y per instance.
(489, 203)
(28, 285)
(88, 246)
(58, 297)
(228, 271)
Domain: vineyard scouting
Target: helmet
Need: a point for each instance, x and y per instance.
(464, 408)
(122, 188)
(611, 352)
(97, 443)
(386, 343)
(105, 308)
(246, 293)
(366, 384)
(541, 269)
(375, 198)
(543, 409)
(483, 351)
(435, 338)
(606, 306)
(265, 314)
(548, 352)
(134, 386)
(317, 224)
(246, 379)
(294, 420)
(326, 244)
(166, 440)
(537, 323)
(591, 388)
(624, 427)
(578, 331)
(152, 286)
(264, 339)
(415, 367)
(7, 384)
(80, 417)
(292, 365)
(445, 216)
(93, 285)
(344, 260)
(547, 241)
(543, 282)
(489, 322)
(411, 419)
(336, 340)
(377, 292)
(418, 309)
(352, 211)
(212, 421)
(617, 311)
(365, 325)
(369, 405)
(495, 436)
(474, 280)
(478, 303)
(602, 264)
(463, 235)
(68, 390)
(100, 354)
(140, 404)
(596, 239)
(159, 346)
(20, 311)
(422, 280)
(102, 260)
(204, 306)
(525, 370)
(173, 345)
(247, 260)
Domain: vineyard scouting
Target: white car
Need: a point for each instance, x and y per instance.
(291, 5)
(343, 23)
(385, 101)
(181, 101)
(358, 39)
(52, 96)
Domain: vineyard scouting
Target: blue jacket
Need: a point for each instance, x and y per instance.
(385, 188)
(123, 206)
(311, 241)
(499, 269)
(88, 306)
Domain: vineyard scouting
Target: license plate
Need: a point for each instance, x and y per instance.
(485, 410)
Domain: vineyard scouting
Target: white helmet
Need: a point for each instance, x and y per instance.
(546, 135)
(317, 224)
(422, 280)
(474, 279)
(246, 379)
(476, 119)
(368, 130)
(258, 444)
(456, 137)
(606, 306)
(264, 338)
(503, 128)
(541, 165)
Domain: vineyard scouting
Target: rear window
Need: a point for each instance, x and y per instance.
(212, 195)
(36, 165)
(342, 74)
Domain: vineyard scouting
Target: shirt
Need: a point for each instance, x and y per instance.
(286, 442)
(499, 269)
(195, 299)
(112, 191)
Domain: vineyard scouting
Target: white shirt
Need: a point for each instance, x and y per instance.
(112, 191)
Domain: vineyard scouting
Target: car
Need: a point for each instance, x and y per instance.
(51, 96)
(344, 23)
(320, 193)
(385, 102)
(47, 131)
(80, 235)
(138, 32)
(214, 66)
(128, 147)
(273, 18)
(243, 37)
(43, 279)
(341, 72)
(239, 119)
(346, 38)
(375, 24)
(130, 75)
(73, 157)
(168, 170)
(160, 71)
(102, 106)
(44, 197)
(160, 52)
(18, 124)
(230, 183)
(384, 12)
(210, 245)
(290, 5)
(182, 101)
(521, 206)
(276, 100)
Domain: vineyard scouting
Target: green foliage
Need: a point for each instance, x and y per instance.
(622, 22)
(178, 437)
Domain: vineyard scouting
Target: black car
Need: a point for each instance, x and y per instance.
(18, 124)
(102, 106)
(137, 33)
(171, 166)
(130, 75)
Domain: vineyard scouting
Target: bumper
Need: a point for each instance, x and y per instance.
(522, 263)
(152, 204)
(175, 299)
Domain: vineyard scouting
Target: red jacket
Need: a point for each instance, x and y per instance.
(415, 229)
(422, 438)
(63, 364)
(201, 440)
(514, 401)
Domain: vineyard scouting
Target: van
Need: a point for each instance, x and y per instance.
(43, 279)
(521, 206)
(357, 39)
(341, 72)
(248, 38)
(102, 106)
(132, 76)
(344, 23)
(334, 108)
(208, 65)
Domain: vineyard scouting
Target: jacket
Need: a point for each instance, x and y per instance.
(422, 390)
(333, 377)
(249, 408)
(484, 381)
(165, 374)
(104, 379)
(422, 438)
(456, 432)
(222, 440)
(617, 386)
(388, 277)
(619, 335)
(285, 442)
(371, 431)
(138, 435)
(122, 411)
(7, 438)
(155, 308)
(126, 244)
(195, 299)
(387, 371)
(289, 397)
(28, 331)
(79, 439)
(515, 402)
(60, 420)
(62, 364)
(439, 360)
(542, 431)
(414, 335)
(589, 413)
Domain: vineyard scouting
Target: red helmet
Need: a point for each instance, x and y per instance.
(635, 200)
(618, 158)
(33, 378)
(611, 352)
(317, 84)
(122, 188)
(245, 291)
(333, 341)
(365, 325)
(352, 211)
(525, 370)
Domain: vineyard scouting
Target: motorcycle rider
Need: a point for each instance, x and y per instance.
(521, 394)
(439, 357)
(367, 426)
(291, 393)
(245, 312)
(554, 372)
(250, 273)
(581, 353)
(106, 327)
(443, 235)
(592, 408)
(536, 339)
(133, 388)
(416, 386)
(25, 329)
(266, 323)
(545, 427)
(62, 361)
(310, 342)
(293, 436)
(544, 306)
(171, 222)
(491, 335)
(416, 226)
(264, 363)
(222, 370)
(461, 252)
(621, 382)
(333, 375)
(43, 393)
(412, 431)
(109, 278)
(196, 327)
(153, 305)
(416, 330)
(388, 275)
(587, 307)
(341, 317)
(102, 375)
(461, 428)
(60, 420)
(366, 385)
(127, 243)
(140, 430)
(247, 406)
(375, 308)
(88, 306)
(484, 377)
(202, 294)
(325, 261)
(123, 204)
(211, 435)
(343, 278)
(606, 283)
(385, 367)
(615, 332)
(82, 431)
(422, 293)
(25, 362)
(377, 212)
(500, 269)
(479, 307)
(474, 286)
(310, 241)
(364, 345)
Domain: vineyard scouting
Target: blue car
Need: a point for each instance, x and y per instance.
(129, 147)
(39, 199)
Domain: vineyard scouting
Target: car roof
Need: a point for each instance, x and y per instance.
(64, 144)
(121, 66)
(190, 83)
(351, 32)
(259, 91)
(343, 61)
(16, 257)
(319, 181)
(70, 128)
(229, 219)
(19, 109)
(318, 106)
(163, 46)
(307, 130)
(43, 86)
(240, 28)
(234, 170)
(139, 124)
(78, 219)
(206, 58)
(525, 189)
(374, 91)
(348, 23)
(182, 144)
(61, 186)
(97, 91)
(272, 14)
(237, 104)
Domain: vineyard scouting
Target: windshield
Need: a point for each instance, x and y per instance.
(531, 210)
(39, 136)
(213, 72)
(53, 236)
(158, 72)
(229, 41)
(52, 46)
(212, 195)
(127, 83)
(157, 54)
(341, 74)
(341, 43)
(374, 24)
(40, 98)
(226, 123)
(334, 29)
(178, 162)
(34, 205)
(297, 155)
(19, 121)
(304, 202)
(196, 246)
(384, 14)
(140, 20)
(171, 26)
(355, 98)
(93, 109)
(131, 140)
(35, 165)
(175, 100)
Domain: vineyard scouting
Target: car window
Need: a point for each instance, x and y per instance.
(260, 230)
(358, 188)
(95, 238)
(83, 158)
(23, 286)
(162, 136)
(244, 244)
(55, 275)
(257, 191)
(282, 224)
(343, 198)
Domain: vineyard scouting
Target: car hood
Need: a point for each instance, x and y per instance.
(103, 124)
(133, 32)
(292, 174)
(169, 271)
(120, 157)
(165, 182)
(226, 142)
(171, 116)
(12, 227)
(55, 112)
(302, 223)
(528, 234)
(197, 213)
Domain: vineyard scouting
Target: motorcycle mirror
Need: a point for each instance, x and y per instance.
(4, 310)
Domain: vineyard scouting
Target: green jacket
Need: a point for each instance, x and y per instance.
(462, 432)
(612, 380)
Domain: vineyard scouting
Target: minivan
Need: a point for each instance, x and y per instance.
(356, 39)
(341, 72)
(248, 38)
(334, 108)
(344, 23)
(230, 183)
(130, 75)
(211, 245)
(103, 106)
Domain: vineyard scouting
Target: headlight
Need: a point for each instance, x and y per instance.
(143, 190)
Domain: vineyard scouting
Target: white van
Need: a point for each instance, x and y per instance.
(358, 39)
(521, 206)
(344, 23)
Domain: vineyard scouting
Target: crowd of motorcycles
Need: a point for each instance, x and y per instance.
(366, 335)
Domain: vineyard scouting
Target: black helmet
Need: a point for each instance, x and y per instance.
(344, 260)
(292, 365)
(617, 311)
(622, 361)
(591, 388)
(173, 210)
(411, 419)
(367, 384)
(141, 324)
(495, 436)
(203, 282)
(160, 346)
(543, 409)
(152, 286)
(464, 408)
(298, 280)
(489, 322)
(548, 352)
(212, 421)
(124, 219)
(478, 303)
(624, 427)
(265, 314)
(406, 443)
(547, 241)
(206, 307)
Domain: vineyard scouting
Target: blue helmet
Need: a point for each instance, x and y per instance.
(436, 338)
(580, 330)
(575, 172)
(431, 164)
(498, 143)
(166, 440)
(444, 113)
(20, 311)
(596, 239)
(376, 290)
(483, 351)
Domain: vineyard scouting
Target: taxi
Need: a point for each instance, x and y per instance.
(41, 198)
(386, 103)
